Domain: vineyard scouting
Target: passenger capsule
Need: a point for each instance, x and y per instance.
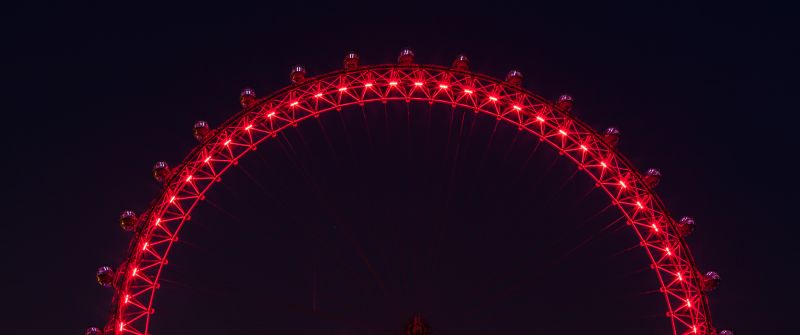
(298, 74)
(611, 136)
(514, 77)
(351, 61)
(686, 226)
(105, 276)
(565, 103)
(710, 281)
(406, 57)
(201, 130)
(652, 177)
(160, 171)
(726, 332)
(128, 220)
(248, 97)
(93, 331)
(461, 63)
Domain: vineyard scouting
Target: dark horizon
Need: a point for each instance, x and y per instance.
(100, 92)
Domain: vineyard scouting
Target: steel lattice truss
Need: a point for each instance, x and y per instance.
(138, 278)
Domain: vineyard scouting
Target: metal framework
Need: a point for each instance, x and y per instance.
(137, 279)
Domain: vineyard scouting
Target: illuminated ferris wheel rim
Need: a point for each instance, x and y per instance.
(137, 279)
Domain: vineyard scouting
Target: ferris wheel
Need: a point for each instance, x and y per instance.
(184, 186)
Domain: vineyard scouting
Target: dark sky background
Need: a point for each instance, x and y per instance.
(479, 230)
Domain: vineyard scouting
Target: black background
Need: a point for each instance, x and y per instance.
(95, 93)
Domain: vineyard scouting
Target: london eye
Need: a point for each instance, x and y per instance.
(155, 230)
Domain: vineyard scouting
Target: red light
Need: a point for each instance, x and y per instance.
(622, 197)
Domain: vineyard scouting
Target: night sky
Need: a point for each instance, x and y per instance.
(350, 226)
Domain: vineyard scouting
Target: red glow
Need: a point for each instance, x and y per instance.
(423, 78)
(121, 326)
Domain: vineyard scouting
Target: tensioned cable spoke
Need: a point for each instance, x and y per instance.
(347, 231)
(347, 135)
(366, 129)
(482, 161)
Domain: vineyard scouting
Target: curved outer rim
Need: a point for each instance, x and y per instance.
(674, 265)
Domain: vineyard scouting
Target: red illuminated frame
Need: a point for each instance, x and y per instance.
(687, 306)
